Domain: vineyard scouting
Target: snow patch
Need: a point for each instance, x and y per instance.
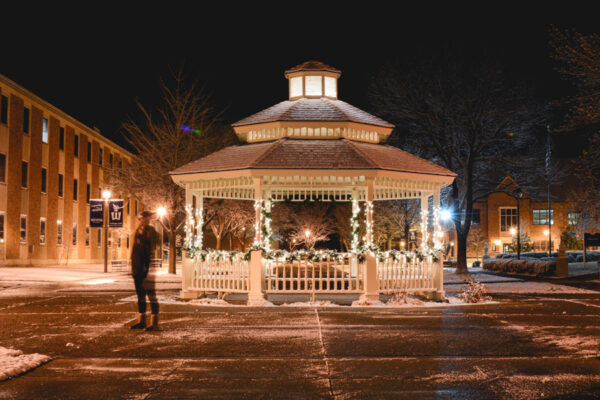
(209, 302)
(321, 303)
(14, 362)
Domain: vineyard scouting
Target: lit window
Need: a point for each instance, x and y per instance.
(314, 85)
(296, 86)
(540, 217)
(330, 87)
(42, 230)
(23, 229)
(574, 217)
(59, 233)
(508, 219)
(45, 130)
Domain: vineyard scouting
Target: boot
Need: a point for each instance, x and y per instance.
(141, 323)
(153, 323)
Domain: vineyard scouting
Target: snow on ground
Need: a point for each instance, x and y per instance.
(14, 362)
(318, 303)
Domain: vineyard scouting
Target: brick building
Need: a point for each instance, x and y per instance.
(494, 217)
(50, 166)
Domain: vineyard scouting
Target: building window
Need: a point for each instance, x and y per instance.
(330, 86)
(61, 138)
(540, 217)
(110, 160)
(87, 193)
(475, 216)
(42, 230)
(44, 177)
(574, 217)
(313, 85)
(120, 163)
(4, 109)
(100, 156)
(99, 237)
(136, 208)
(23, 228)
(26, 120)
(1, 227)
(45, 130)
(76, 146)
(127, 239)
(24, 169)
(74, 189)
(89, 152)
(296, 86)
(109, 240)
(59, 232)
(75, 234)
(2, 168)
(60, 185)
(119, 240)
(87, 236)
(508, 218)
(128, 201)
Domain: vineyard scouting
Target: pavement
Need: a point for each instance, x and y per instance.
(520, 346)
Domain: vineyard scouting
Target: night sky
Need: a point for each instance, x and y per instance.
(94, 65)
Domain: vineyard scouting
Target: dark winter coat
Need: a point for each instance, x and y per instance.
(143, 248)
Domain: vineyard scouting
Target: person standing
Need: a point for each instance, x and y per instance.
(141, 253)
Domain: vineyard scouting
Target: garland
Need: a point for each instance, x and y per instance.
(197, 253)
(263, 225)
(355, 224)
(424, 228)
(192, 240)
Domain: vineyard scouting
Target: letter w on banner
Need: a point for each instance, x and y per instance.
(115, 213)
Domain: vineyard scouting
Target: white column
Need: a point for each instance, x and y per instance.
(198, 232)
(370, 282)
(424, 219)
(437, 267)
(187, 272)
(256, 294)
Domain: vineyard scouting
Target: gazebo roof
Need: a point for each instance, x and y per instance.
(309, 109)
(290, 154)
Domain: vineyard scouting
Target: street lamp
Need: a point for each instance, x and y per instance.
(106, 196)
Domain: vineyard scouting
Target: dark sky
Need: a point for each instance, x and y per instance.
(94, 63)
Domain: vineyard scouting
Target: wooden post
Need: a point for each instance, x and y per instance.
(370, 282)
(187, 273)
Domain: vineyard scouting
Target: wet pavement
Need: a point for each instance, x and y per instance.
(523, 347)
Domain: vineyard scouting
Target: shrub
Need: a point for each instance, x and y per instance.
(473, 292)
(528, 266)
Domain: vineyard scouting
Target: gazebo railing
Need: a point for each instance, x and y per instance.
(308, 276)
(221, 275)
(327, 274)
(405, 274)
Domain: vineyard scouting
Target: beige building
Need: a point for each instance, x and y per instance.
(51, 165)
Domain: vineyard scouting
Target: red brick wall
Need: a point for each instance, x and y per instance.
(35, 182)
(13, 177)
(94, 253)
(52, 188)
(68, 191)
(82, 205)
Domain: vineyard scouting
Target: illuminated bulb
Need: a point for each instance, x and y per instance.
(106, 194)
(445, 215)
(497, 242)
(161, 211)
(307, 233)
(513, 231)
(546, 232)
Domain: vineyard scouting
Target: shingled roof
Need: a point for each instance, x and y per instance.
(321, 109)
(312, 154)
(313, 65)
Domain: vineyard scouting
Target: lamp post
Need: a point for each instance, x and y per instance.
(106, 196)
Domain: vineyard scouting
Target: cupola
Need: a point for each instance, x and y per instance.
(312, 79)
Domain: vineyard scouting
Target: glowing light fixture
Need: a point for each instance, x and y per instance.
(445, 215)
(546, 232)
(307, 233)
(497, 242)
(161, 211)
(106, 194)
(513, 231)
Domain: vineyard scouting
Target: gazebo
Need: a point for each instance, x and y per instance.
(313, 147)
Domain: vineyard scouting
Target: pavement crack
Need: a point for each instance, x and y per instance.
(324, 352)
(157, 387)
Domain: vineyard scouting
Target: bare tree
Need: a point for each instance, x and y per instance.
(180, 130)
(311, 225)
(341, 215)
(462, 115)
(578, 58)
(476, 242)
